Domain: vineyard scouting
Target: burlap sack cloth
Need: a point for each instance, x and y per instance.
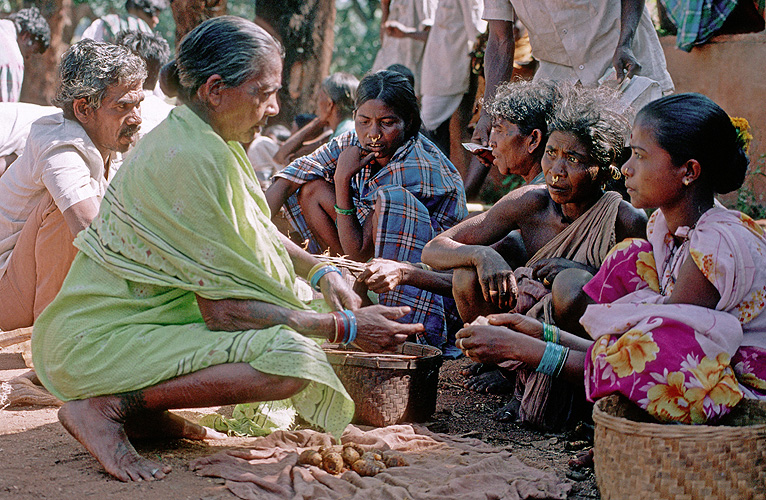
(441, 467)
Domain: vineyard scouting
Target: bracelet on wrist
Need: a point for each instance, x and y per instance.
(423, 266)
(318, 271)
(553, 360)
(344, 211)
(551, 333)
(345, 327)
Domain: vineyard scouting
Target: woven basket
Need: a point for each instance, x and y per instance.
(637, 459)
(389, 389)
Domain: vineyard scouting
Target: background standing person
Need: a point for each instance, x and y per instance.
(446, 72)
(184, 294)
(418, 14)
(24, 33)
(141, 15)
(53, 191)
(576, 42)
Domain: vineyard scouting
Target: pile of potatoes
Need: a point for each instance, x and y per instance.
(336, 459)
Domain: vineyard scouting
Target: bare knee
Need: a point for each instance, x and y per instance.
(466, 291)
(314, 192)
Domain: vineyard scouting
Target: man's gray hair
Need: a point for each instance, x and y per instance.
(89, 68)
(229, 46)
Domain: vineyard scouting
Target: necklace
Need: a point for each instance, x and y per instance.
(672, 260)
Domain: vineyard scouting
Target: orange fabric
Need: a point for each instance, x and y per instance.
(37, 267)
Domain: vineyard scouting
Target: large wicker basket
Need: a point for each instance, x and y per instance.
(637, 459)
(389, 388)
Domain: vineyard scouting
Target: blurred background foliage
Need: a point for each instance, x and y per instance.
(357, 27)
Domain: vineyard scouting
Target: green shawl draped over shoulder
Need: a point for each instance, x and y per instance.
(186, 211)
(184, 215)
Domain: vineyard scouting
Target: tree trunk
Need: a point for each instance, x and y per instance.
(305, 28)
(41, 70)
(188, 14)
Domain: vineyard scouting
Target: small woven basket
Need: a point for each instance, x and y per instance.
(389, 388)
(637, 459)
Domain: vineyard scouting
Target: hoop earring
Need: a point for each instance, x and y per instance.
(615, 172)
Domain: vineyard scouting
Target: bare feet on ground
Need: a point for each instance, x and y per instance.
(98, 425)
(488, 379)
(509, 412)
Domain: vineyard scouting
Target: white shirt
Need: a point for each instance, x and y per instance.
(11, 63)
(406, 51)
(446, 60)
(153, 111)
(59, 158)
(15, 120)
(575, 40)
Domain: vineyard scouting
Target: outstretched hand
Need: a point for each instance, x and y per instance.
(382, 275)
(492, 343)
(377, 330)
(338, 293)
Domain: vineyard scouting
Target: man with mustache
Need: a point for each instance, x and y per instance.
(53, 190)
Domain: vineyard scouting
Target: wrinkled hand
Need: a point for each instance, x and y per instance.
(383, 275)
(498, 284)
(515, 340)
(546, 270)
(482, 130)
(338, 293)
(351, 160)
(518, 322)
(625, 63)
(486, 343)
(377, 330)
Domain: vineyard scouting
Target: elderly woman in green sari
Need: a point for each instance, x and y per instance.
(183, 293)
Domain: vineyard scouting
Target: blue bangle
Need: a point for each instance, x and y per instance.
(553, 359)
(317, 275)
(352, 326)
(561, 362)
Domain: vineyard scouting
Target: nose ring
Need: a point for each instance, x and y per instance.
(375, 138)
(555, 179)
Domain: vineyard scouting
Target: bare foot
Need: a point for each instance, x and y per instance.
(97, 424)
(167, 425)
(476, 369)
(509, 412)
(492, 382)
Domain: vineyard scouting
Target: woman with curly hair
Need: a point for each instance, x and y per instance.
(675, 320)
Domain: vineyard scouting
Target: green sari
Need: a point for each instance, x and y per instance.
(184, 215)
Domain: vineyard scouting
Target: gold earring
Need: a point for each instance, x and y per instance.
(615, 172)
(686, 182)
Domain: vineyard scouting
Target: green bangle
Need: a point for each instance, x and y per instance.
(344, 211)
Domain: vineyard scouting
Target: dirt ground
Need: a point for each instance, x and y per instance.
(39, 460)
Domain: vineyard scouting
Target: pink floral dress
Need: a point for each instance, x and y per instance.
(681, 362)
